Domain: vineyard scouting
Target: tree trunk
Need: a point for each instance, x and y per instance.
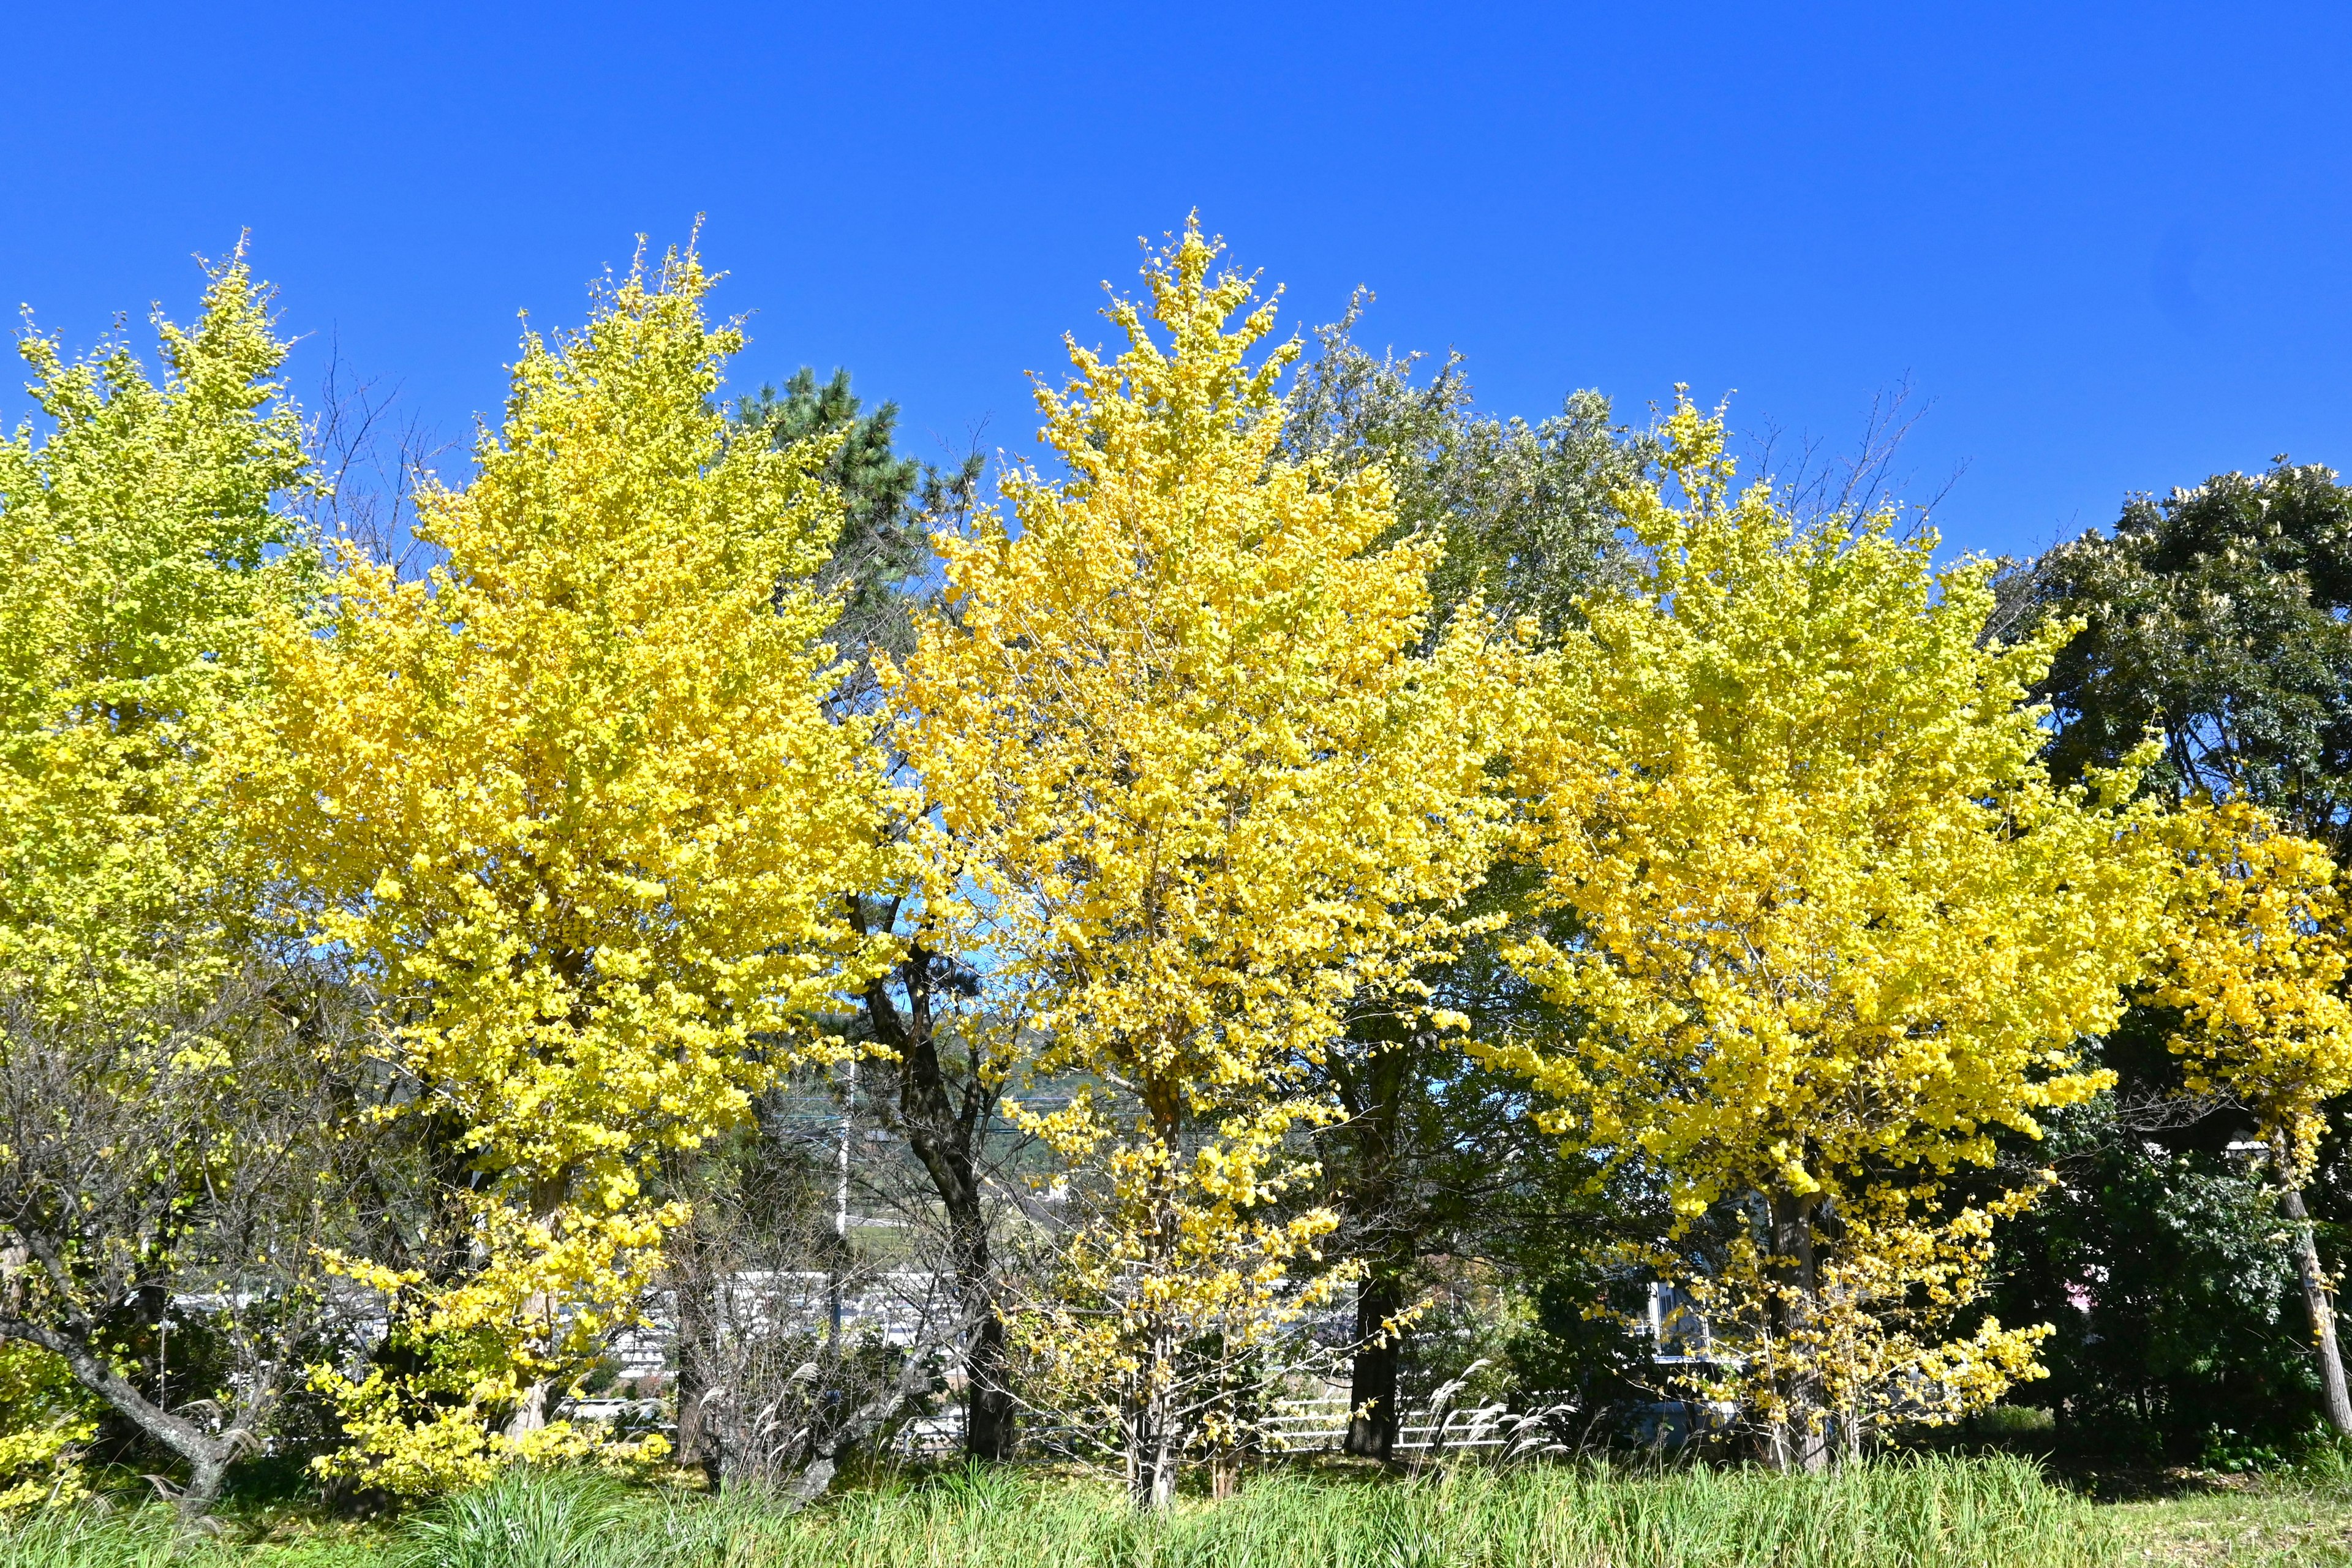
(205, 1478)
(1155, 1446)
(1152, 1450)
(862, 1423)
(945, 1138)
(207, 1457)
(1372, 1376)
(1373, 1095)
(989, 1432)
(1799, 1440)
(697, 1356)
(530, 1414)
(2318, 1303)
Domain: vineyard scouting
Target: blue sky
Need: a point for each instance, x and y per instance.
(2110, 243)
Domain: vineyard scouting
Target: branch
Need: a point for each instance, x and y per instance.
(183, 1437)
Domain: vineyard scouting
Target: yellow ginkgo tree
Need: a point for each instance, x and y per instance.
(1180, 766)
(2254, 962)
(1834, 929)
(145, 535)
(576, 804)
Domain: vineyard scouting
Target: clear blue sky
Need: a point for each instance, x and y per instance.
(2110, 242)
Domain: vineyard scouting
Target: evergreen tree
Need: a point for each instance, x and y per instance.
(889, 503)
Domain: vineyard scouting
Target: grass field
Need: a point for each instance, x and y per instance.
(1925, 1514)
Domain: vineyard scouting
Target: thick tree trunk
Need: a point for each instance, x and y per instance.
(1155, 1438)
(206, 1479)
(989, 1429)
(1799, 1439)
(2318, 1301)
(1153, 1451)
(1374, 1100)
(1372, 1381)
(817, 1476)
(530, 1414)
(990, 1424)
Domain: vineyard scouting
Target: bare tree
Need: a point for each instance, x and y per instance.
(372, 455)
(797, 1340)
(1813, 480)
(180, 1162)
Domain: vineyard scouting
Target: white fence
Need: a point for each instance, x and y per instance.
(1321, 1425)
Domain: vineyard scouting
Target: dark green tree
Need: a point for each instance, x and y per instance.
(943, 1106)
(2217, 618)
(892, 503)
(1525, 509)
(2158, 1263)
(1438, 1164)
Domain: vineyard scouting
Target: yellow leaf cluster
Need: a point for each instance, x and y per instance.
(576, 804)
(1860, 1346)
(2254, 958)
(1179, 756)
(395, 1444)
(45, 1421)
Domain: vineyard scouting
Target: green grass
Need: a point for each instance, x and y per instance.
(1931, 1512)
(1928, 1513)
(2259, 1525)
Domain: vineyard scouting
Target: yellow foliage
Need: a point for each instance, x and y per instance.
(577, 803)
(1830, 926)
(2254, 957)
(1183, 768)
(424, 1450)
(45, 1419)
(1860, 1344)
(139, 543)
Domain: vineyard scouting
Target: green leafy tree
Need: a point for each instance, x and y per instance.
(1526, 511)
(889, 502)
(2157, 1260)
(2217, 615)
(944, 1106)
(1431, 1145)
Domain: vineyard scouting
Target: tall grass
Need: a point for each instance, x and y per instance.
(1925, 1514)
(84, 1538)
(1911, 1513)
(527, 1520)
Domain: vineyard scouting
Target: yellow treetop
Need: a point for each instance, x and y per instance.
(141, 544)
(1174, 744)
(576, 799)
(1832, 915)
(2254, 959)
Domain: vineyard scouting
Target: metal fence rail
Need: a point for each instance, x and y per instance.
(1321, 1425)
(1308, 1425)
